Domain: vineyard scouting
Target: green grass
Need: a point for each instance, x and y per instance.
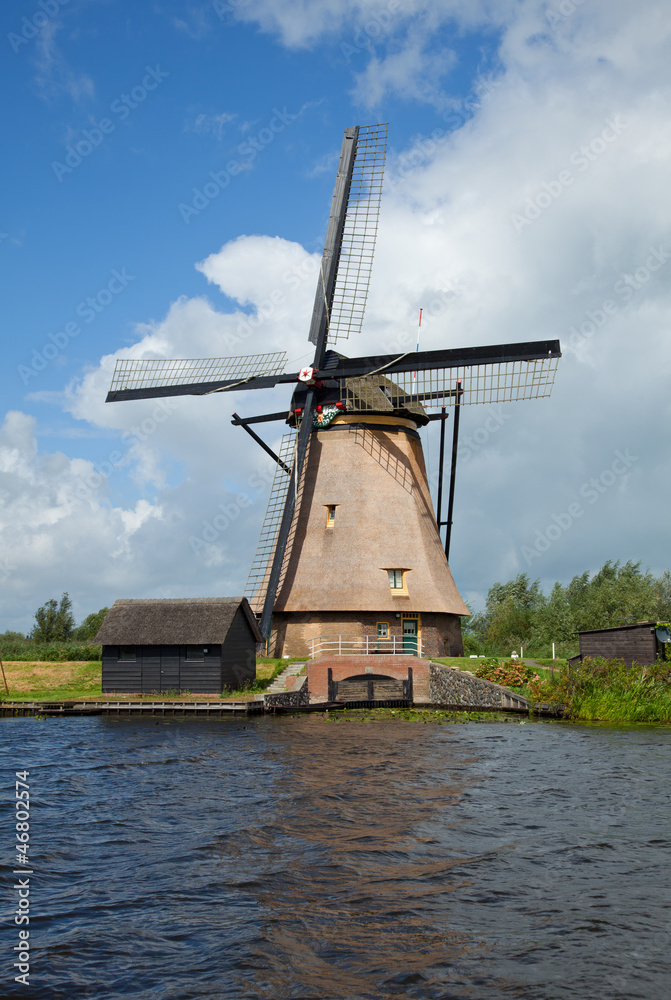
(549, 662)
(484, 667)
(436, 717)
(56, 681)
(607, 691)
(267, 669)
(456, 661)
(65, 681)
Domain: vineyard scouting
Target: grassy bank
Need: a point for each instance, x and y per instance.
(607, 691)
(64, 681)
(512, 674)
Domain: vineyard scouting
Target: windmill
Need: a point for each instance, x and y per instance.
(350, 539)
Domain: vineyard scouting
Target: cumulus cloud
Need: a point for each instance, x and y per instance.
(540, 213)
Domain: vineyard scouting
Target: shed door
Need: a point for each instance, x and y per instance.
(169, 668)
(151, 669)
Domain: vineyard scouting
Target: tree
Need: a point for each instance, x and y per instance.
(54, 622)
(90, 626)
(510, 615)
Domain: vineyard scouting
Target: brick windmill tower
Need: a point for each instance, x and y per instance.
(350, 556)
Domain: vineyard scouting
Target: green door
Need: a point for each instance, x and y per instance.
(410, 636)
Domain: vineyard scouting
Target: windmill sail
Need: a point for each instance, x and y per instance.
(494, 382)
(143, 378)
(359, 182)
(347, 260)
(355, 262)
(257, 581)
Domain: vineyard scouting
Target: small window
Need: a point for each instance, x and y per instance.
(330, 515)
(396, 579)
(127, 653)
(383, 630)
(195, 652)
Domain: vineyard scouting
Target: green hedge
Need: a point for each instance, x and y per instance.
(27, 650)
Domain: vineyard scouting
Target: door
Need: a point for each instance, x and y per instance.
(410, 635)
(170, 669)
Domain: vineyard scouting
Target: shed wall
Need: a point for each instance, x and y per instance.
(201, 677)
(630, 644)
(161, 669)
(238, 653)
(119, 676)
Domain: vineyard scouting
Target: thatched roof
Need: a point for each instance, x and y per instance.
(173, 621)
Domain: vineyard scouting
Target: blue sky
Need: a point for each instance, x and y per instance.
(489, 105)
(216, 84)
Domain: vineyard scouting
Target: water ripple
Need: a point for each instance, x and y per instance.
(304, 858)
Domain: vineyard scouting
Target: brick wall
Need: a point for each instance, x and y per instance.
(440, 633)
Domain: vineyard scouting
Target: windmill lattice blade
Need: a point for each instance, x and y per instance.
(358, 241)
(151, 373)
(500, 382)
(257, 582)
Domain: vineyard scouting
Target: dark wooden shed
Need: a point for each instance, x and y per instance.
(637, 643)
(201, 645)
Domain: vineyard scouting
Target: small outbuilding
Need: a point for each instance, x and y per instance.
(641, 643)
(201, 645)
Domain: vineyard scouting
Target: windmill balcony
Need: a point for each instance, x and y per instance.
(364, 645)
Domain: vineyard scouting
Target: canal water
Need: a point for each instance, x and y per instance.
(302, 857)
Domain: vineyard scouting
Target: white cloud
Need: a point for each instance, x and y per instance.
(411, 73)
(306, 21)
(450, 241)
(54, 75)
(212, 124)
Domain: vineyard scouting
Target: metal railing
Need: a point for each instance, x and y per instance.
(364, 645)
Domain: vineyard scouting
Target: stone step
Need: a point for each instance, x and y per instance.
(279, 685)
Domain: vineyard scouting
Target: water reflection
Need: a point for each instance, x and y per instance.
(361, 908)
(304, 858)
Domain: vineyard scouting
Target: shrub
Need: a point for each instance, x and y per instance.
(514, 673)
(609, 690)
(27, 651)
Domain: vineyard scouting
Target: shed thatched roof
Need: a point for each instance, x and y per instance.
(173, 621)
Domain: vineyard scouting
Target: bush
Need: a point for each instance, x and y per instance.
(27, 651)
(609, 691)
(514, 673)
(472, 645)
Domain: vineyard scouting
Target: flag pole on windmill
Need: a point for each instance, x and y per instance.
(419, 328)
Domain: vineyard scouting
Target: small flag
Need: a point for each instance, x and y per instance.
(419, 327)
